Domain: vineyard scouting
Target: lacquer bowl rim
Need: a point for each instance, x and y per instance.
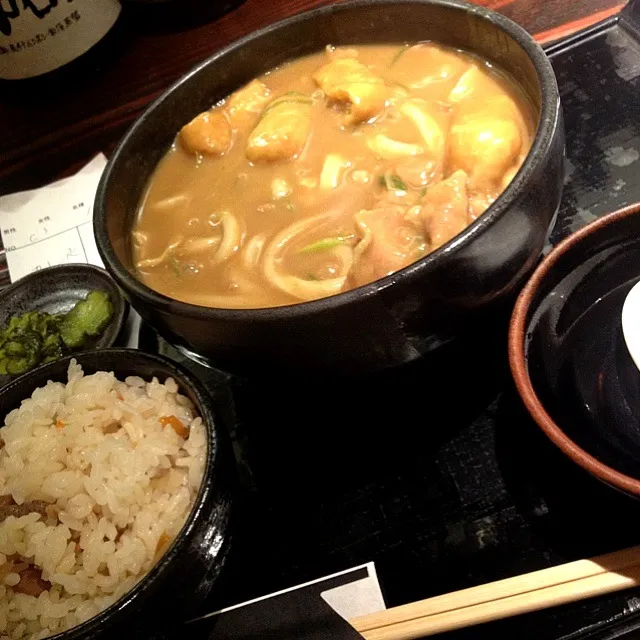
(518, 360)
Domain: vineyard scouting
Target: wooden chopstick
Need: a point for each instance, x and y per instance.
(528, 592)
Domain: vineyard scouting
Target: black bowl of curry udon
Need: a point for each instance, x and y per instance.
(339, 192)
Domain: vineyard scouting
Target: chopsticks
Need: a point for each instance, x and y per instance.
(521, 594)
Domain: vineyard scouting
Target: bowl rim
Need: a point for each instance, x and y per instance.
(549, 120)
(518, 327)
(183, 378)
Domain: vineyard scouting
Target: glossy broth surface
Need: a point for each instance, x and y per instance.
(329, 172)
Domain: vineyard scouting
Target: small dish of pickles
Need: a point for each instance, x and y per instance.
(55, 312)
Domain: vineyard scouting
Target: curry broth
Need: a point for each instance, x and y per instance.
(294, 219)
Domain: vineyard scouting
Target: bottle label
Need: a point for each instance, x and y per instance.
(37, 36)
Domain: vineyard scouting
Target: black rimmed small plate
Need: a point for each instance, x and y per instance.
(568, 354)
(56, 290)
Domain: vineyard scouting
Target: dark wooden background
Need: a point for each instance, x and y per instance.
(52, 133)
(416, 502)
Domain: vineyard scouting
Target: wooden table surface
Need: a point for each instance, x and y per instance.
(53, 135)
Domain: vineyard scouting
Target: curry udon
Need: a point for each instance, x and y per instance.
(328, 173)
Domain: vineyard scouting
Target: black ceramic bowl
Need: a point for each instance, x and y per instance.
(186, 572)
(568, 355)
(400, 317)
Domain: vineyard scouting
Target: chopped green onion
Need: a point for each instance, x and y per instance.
(399, 55)
(176, 267)
(325, 244)
(291, 96)
(392, 182)
(423, 191)
(298, 94)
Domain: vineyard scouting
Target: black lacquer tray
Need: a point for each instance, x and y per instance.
(435, 472)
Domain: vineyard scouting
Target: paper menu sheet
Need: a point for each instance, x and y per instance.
(51, 225)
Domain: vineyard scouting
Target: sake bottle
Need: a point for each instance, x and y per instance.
(41, 38)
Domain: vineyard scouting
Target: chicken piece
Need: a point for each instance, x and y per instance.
(485, 146)
(388, 244)
(445, 209)
(417, 172)
(31, 582)
(282, 132)
(208, 133)
(245, 105)
(349, 81)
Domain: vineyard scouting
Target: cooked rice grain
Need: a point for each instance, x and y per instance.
(120, 483)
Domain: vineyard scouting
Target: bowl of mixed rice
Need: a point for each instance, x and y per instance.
(114, 497)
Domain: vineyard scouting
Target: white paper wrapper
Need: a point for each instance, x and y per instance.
(51, 225)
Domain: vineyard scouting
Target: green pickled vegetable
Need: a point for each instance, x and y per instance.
(28, 340)
(36, 338)
(87, 319)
